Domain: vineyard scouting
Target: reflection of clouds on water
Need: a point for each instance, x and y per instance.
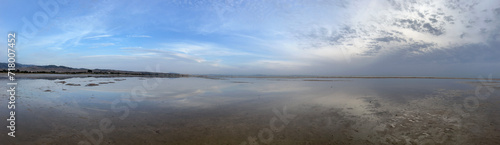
(353, 104)
(175, 92)
(360, 111)
(187, 94)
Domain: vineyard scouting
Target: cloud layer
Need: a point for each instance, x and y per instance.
(321, 37)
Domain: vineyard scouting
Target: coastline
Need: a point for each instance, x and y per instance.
(85, 75)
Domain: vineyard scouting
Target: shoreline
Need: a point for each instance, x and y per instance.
(86, 75)
(67, 76)
(354, 77)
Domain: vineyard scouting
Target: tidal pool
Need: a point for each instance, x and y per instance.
(136, 110)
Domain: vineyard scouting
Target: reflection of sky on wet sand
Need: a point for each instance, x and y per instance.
(232, 109)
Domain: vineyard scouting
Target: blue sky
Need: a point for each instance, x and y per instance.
(280, 37)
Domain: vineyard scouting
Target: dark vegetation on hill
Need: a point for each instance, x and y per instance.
(54, 69)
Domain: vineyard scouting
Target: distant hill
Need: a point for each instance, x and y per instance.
(18, 65)
(25, 68)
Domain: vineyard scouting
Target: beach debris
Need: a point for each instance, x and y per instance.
(62, 82)
(92, 84)
(71, 84)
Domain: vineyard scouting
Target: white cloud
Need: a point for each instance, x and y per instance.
(98, 36)
(202, 49)
(167, 54)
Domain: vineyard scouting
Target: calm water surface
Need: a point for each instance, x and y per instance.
(135, 110)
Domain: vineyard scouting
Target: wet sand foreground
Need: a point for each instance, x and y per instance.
(136, 110)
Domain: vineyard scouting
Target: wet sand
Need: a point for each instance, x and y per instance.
(251, 110)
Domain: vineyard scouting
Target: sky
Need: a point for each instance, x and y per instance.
(272, 37)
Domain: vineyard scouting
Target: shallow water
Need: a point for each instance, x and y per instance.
(135, 110)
